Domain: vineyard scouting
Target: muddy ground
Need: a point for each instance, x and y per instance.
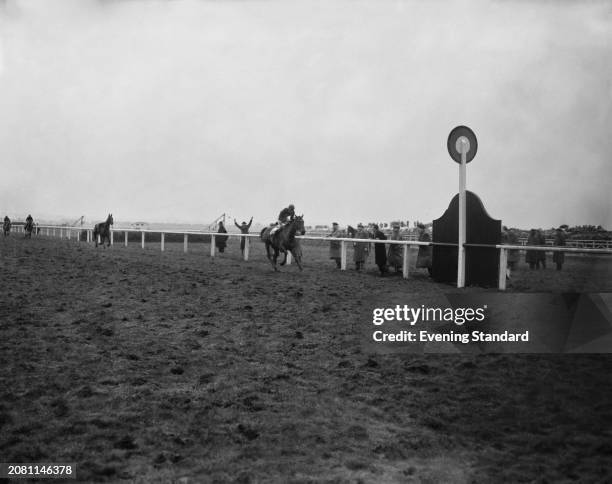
(145, 366)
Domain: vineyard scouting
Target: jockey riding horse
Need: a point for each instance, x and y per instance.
(28, 227)
(6, 226)
(281, 237)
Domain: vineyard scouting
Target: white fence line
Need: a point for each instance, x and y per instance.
(50, 230)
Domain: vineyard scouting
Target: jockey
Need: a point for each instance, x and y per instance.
(29, 220)
(286, 215)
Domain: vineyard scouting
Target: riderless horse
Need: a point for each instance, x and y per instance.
(103, 230)
(6, 226)
(283, 240)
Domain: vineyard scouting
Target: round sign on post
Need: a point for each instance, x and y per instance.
(459, 136)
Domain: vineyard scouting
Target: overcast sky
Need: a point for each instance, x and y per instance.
(182, 110)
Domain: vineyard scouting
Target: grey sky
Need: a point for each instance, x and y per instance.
(181, 110)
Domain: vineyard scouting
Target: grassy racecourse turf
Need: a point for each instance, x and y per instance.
(152, 367)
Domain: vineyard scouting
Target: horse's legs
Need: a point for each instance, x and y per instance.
(270, 258)
(275, 257)
(298, 258)
(284, 259)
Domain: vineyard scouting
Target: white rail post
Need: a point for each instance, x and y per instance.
(78, 236)
(343, 255)
(68, 233)
(112, 237)
(162, 241)
(142, 240)
(212, 245)
(503, 263)
(405, 261)
(185, 242)
(126, 237)
(464, 146)
(288, 258)
(99, 239)
(53, 231)
(247, 244)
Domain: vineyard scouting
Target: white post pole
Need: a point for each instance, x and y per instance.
(212, 245)
(503, 263)
(142, 240)
(112, 237)
(288, 258)
(125, 234)
(247, 243)
(405, 261)
(68, 233)
(78, 235)
(185, 242)
(463, 145)
(99, 239)
(343, 255)
(162, 241)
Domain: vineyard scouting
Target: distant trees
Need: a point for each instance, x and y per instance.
(584, 228)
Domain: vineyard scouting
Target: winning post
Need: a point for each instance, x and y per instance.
(462, 146)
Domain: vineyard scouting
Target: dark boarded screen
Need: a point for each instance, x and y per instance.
(481, 263)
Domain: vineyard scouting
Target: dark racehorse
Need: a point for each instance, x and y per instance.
(103, 230)
(28, 228)
(283, 240)
(6, 227)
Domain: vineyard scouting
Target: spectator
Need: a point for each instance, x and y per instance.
(361, 249)
(221, 240)
(532, 256)
(335, 245)
(380, 251)
(509, 237)
(244, 228)
(424, 255)
(541, 253)
(394, 256)
(559, 257)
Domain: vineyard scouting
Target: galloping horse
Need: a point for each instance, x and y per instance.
(28, 228)
(283, 240)
(103, 230)
(6, 226)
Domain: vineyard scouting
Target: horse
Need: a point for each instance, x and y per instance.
(103, 230)
(6, 227)
(28, 228)
(283, 240)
